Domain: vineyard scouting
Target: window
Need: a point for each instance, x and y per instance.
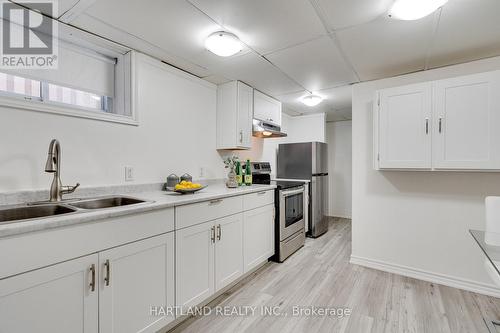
(89, 83)
(29, 89)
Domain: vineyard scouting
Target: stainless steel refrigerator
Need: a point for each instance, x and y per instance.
(308, 161)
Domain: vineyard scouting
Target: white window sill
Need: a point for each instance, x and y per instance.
(39, 106)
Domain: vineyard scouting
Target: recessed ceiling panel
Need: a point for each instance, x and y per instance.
(316, 65)
(342, 13)
(468, 30)
(265, 25)
(387, 47)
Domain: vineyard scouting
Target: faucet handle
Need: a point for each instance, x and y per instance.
(69, 189)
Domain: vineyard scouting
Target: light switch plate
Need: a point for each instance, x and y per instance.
(129, 173)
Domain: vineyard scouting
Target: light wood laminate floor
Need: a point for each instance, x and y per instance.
(320, 274)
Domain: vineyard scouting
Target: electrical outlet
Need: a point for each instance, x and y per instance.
(129, 173)
(202, 172)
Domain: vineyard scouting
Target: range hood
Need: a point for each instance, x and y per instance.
(262, 129)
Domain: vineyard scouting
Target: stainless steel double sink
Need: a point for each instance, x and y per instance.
(39, 210)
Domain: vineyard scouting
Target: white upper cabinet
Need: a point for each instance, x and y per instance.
(467, 122)
(266, 108)
(404, 127)
(234, 115)
(451, 124)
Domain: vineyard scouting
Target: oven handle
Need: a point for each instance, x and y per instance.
(289, 193)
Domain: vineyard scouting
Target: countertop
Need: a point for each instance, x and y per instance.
(156, 199)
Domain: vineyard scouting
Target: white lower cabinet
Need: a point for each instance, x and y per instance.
(228, 250)
(134, 278)
(194, 267)
(209, 256)
(108, 292)
(258, 236)
(59, 298)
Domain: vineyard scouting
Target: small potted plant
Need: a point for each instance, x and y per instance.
(230, 163)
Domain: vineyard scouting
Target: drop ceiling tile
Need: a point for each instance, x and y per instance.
(102, 28)
(316, 64)
(173, 25)
(265, 25)
(62, 6)
(468, 30)
(334, 116)
(340, 13)
(216, 79)
(334, 99)
(387, 47)
(256, 72)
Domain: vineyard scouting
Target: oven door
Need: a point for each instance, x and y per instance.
(291, 212)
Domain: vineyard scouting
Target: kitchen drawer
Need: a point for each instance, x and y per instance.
(258, 199)
(189, 215)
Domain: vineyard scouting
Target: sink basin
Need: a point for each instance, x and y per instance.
(107, 202)
(32, 212)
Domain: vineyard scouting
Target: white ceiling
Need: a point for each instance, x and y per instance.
(295, 47)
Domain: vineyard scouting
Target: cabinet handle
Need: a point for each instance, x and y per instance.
(426, 125)
(241, 136)
(107, 278)
(440, 124)
(219, 232)
(92, 277)
(212, 234)
(261, 193)
(214, 202)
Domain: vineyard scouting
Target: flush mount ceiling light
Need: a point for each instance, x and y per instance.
(414, 9)
(223, 44)
(312, 100)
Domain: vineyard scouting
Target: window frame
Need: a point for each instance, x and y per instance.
(124, 95)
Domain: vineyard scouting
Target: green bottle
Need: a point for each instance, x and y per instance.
(248, 174)
(239, 173)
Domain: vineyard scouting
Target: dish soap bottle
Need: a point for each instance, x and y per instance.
(239, 173)
(248, 174)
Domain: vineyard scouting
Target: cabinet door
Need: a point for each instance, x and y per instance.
(194, 264)
(133, 279)
(228, 250)
(58, 298)
(467, 122)
(258, 236)
(404, 134)
(267, 108)
(245, 113)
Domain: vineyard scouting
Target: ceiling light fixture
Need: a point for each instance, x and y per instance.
(223, 44)
(410, 10)
(312, 100)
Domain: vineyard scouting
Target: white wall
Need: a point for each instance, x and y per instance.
(339, 140)
(419, 220)
(176, 134)
(307, 128)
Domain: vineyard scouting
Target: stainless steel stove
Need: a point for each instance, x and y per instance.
(289, 202)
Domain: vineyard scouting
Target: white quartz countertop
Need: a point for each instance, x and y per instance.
(155, 200)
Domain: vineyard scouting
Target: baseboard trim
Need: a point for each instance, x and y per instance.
(343, 216)
(480, 288)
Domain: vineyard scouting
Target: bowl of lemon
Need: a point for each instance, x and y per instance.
(188, 187)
